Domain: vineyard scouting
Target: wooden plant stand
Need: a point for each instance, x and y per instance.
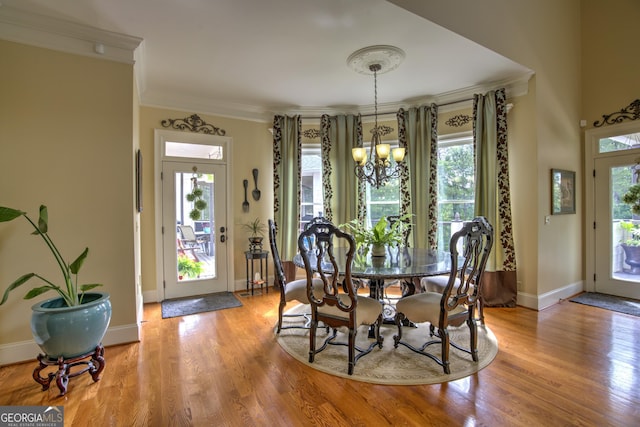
(93, 361)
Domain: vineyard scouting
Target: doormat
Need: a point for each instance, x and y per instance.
(199, 304)
(609, 302)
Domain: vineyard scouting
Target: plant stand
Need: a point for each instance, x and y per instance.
(264, 274)
(93, 360)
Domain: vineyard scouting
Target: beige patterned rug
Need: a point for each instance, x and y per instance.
(390, 365)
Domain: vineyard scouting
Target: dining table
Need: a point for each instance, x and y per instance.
(408, 265)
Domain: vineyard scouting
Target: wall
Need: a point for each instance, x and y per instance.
(66, 141)
(610, 60)
(252, 147)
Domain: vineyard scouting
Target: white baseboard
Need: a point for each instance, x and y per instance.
(150, 296)
(540, 302)
(25, 351)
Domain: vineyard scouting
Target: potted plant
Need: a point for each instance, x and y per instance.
(74, 322)
(632, 197)
(188, 267)
(256, 229)
(379, 236)
(630, 243)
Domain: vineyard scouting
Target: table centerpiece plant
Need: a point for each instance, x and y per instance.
(378, 237)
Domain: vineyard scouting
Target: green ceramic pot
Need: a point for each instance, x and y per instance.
(70, 331)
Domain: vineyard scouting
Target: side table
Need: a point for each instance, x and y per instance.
(252, 280)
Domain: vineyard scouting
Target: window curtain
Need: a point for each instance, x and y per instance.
(418, 134)
(343, 193)
(287, 152)
(492, 199)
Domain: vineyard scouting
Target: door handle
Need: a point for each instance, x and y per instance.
(222, 236)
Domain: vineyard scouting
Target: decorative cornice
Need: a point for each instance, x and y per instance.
(458, 120)
(311, 133)
(193, 123)
(630, 112)
(66, 36)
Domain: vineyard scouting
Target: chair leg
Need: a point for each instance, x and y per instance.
(312, 339)
(444, 337)
(473, 334)
(352, 352)
(280, 311)
(481, 310)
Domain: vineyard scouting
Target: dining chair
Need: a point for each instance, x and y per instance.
(295, 290)
(338, 305)
(459, 300)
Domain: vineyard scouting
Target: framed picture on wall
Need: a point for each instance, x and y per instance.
(139, 181)
(563, 192)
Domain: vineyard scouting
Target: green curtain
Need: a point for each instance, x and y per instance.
(492, 195)
(286, 182)
(418, 133)
(343, 193)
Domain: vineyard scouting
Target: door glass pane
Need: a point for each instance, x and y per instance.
(195, 226)
(625, 226)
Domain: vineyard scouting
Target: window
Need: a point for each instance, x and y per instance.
(456, 185)
(382, 201)
(311, 185)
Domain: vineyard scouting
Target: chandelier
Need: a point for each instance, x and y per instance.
(378, 170)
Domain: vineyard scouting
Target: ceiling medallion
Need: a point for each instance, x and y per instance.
(387, 57)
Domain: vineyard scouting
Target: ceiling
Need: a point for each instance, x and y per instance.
(251, 58)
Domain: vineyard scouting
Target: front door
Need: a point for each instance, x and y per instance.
(615, 171)
(194, 228)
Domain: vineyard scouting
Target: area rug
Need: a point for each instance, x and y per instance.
(609, 302)
(199, 304)
(389, 365)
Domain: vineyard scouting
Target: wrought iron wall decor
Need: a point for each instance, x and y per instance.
(311, 133)
(630, 112)
(457, 121)
(193, 123)
(383, 130)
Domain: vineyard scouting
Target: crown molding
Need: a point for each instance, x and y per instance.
(446, 101)
(66, 36)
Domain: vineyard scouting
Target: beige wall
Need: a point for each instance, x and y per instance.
(252, 147)
(66, 142)
(610, 60)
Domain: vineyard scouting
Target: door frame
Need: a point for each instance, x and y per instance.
(160, 137)
(591, 139)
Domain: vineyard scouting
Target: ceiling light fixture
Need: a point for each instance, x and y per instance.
(378, 171)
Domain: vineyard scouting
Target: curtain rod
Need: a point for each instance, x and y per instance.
(390, 112)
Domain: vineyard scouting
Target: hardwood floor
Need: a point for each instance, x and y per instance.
(569, 365)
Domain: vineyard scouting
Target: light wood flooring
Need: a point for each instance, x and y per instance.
(569, 365)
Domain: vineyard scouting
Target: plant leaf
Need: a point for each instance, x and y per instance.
(8, 214)
(15, 284)
(43, 221)
(88, 287)
(37, 291)
(75, 265)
